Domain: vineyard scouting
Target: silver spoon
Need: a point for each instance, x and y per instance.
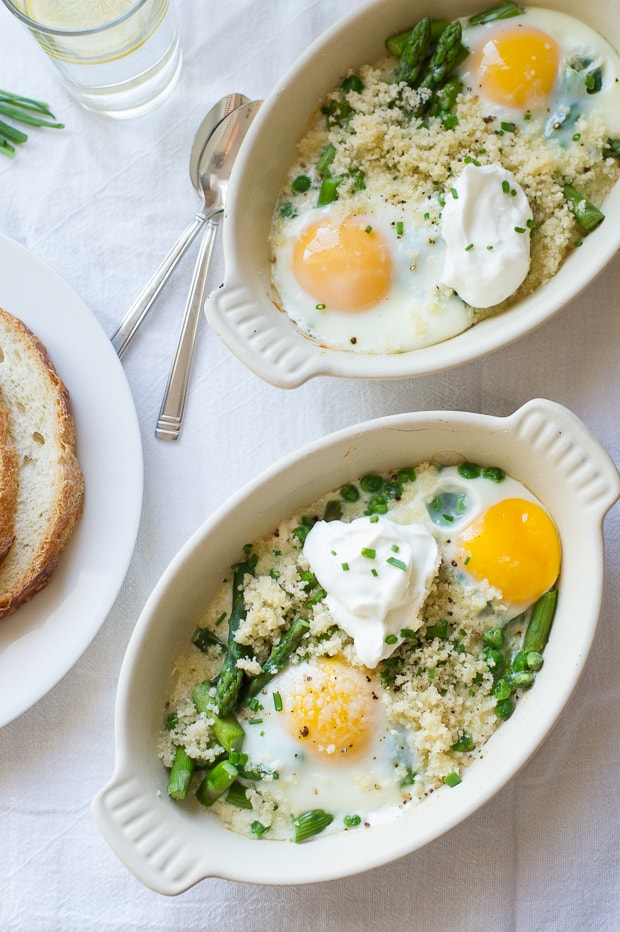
(215, 167)
(138, 310)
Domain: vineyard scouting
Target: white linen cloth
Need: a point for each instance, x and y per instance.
(101, 202)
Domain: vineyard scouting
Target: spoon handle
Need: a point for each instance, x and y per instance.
(170, 418)
(138, 310)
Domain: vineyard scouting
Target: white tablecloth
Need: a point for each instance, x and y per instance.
(101, 202)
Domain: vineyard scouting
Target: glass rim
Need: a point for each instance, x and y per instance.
(55, 31)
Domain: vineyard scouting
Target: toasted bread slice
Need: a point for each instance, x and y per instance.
(50, 497)
(9, 481)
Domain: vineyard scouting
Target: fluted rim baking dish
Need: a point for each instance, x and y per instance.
(242, 311)
(171, 847)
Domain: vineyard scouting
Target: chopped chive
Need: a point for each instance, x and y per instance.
(345, 567)
(220, 619)
(394, 561)
(520, 230)
(352, 820)
(255, 721)
(395, 548)
(391, 639)
(374, 519)
(320, 307)
(527, 116)
(374, 572)
(489, 248)
(400, 228)
(258, 829)
(452, 779)
(369, 552)
(454, 193)
(508, 127)
(576, 137)
(277, 702)
(470, 246)
(466, 560)
(368, 229)
(407, 633)
(505, 187)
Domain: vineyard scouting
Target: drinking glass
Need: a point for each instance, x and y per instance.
(118, 57)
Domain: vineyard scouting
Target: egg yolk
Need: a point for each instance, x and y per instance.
(345, 266)
(517, 67)
(514, 546)
(330, 710)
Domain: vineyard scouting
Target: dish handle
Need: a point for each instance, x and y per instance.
(142, 839)
(558, 437)
(261, 338)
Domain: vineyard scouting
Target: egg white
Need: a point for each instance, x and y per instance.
(369, 781)
(576, 40)
(417, 311)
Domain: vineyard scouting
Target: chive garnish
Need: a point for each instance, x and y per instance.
(400, 228)
(394, 561)
(391, 639)
(369, 552)
(345, 567)
(470, 246)
(505, 187)
(277, 702)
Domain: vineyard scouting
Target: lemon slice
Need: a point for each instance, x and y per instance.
(76, 14)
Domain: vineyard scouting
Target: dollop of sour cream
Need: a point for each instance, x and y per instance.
(486, 224)
(376, 574)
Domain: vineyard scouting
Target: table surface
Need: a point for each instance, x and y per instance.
(101, 202)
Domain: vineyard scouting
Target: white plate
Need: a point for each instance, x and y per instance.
(45, 637)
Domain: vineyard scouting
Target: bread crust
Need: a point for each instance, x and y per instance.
(44, 436)
(9, 481)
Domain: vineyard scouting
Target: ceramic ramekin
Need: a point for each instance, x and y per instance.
(170, 847)
(243, 312)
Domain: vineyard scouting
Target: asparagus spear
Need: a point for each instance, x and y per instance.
(540, 623)
(413, 55)
(396, 43)
(180, 774)
(612, 149)
(216, 781)
(447, 55)
(226, 729)
(587, 215)
(230, 676)
(279, 655)
(501, 11)
(311, 823)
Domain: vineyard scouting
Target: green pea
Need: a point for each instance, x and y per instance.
(468, 470)
(522, 678)
(504, 708)
(350, 493)
(377, 505)
(494, 473)
(495, 660)
(534, 660)
(371, 483)
(301, 184)
(494, 637)
(502, 689)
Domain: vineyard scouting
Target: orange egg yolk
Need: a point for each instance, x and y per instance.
(515, 547)
(517, 67)
(345, 266)
(330, 710)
